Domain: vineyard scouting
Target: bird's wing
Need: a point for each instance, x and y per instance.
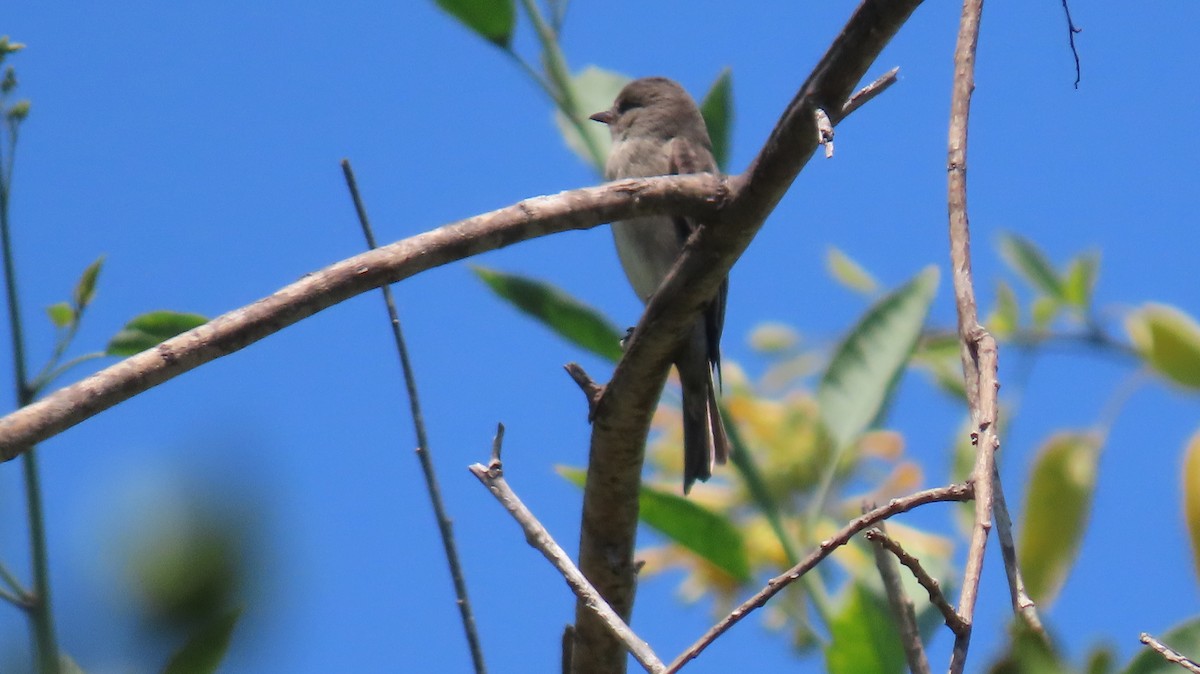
(687, 157)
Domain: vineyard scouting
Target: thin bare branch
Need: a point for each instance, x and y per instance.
(1170, 654)
(694, 195)
(953, 621)
(424, 455)
(902, 607)
(492, 477)
(869, 92)
(590, 388)
(954, 492)
(1023, 604)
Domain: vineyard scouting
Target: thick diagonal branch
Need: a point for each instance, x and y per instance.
(622, 417)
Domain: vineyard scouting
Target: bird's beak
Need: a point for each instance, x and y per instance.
(604, 117)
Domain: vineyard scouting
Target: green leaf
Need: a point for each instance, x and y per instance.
(85, 288)
(1029, 653)
(595, 90)
(1006, 317)
(61, 314)
(1028, 261)
(1057, 505)
(849, 273)
(717, 110)
(571, 319)
(863, 637)
(205, 650)
(493, 20)
(869, 362)
(1169, 341)
(1183, 638)
(1044, 311)
(1191, 496)
(149, 329)
(940, 356)
(1081, 280)
(710, 535)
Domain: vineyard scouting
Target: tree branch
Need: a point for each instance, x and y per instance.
(694, 195)
(622, 416)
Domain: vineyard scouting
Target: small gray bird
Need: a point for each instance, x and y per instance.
(658, 130)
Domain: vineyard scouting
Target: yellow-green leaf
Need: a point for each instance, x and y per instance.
(1191, 496)
(717, 110)
(1058, 501)
(1006, 317)
(774, 338)
(61, 314)
(85, 288)
(1044, 311)
(1081, 279)
(493, 20)
(1169, 340)
(571, 319)
(849, 273)
(1028, 261)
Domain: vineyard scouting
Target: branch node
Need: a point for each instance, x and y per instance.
(590, 388)
(825, 132)
(494, 464)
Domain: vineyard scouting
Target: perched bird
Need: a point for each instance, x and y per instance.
(658, 130)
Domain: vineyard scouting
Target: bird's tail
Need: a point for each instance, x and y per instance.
(704, 438)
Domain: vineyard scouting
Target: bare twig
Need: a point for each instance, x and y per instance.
(590, 388)
(954, 492)
(622, 419)
(979, 356)
(901, 605)
(869, 92)
(445, 526)
(1023, 604)
(697, 196)
(492, 476)
(1071, 32)
(953, 621)
(1170, 654)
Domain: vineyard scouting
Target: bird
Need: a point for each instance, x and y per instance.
(657, 129)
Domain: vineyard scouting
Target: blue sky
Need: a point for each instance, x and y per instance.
(198, 147)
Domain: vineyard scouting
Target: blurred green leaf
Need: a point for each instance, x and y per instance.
(1057, 505)
(9, 82)
(1100, 660)
(1169, 341)
(773, 338)
(493, 20)
(85, 288)
(1183, 638)
(204, 651)
(17, 112)
(1028, 261)
(863, 637)
(1191, 496)
(849, 273)
(61, 314)
(595, 90)
(571, 319)
(67, 665)
(940, 356)
(1028, 653)
(717, 110)
(869, 362)
(1080, 280)
(710, 535)
(1044, 310)
(1006, 317)
(150, 329)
